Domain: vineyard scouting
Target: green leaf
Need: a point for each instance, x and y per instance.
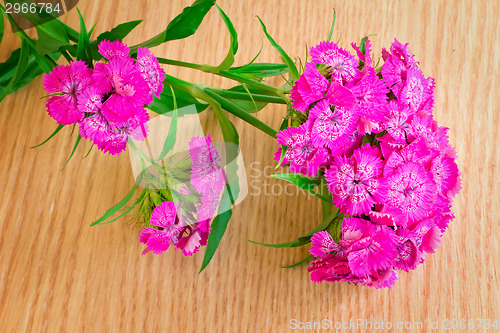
(286, 58)
(260, 70)
(240, 113)
(165, 103)
(1, 27)
(22, 63)
(233, 46)
(303, 240)
(50, 137)
(119, 205)
(171, 137)
(303, 261)
(77, 142)
(83, 51)
(333, 25)
(183, 25)
(218, 228)
(302, 182)
(119, 32)
(51, 36)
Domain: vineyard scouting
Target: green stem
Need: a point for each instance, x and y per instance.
(248, 97)
(226, 74)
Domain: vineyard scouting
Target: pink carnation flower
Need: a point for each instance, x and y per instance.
(322, 243)
(68, 82)
(309, 88)
(355, 182)
(411, 191)
(125, 86)
(343, 65)
(147, 64)
(110, 50)
(303, 156)
(168, 218)
(207, 176)
(332, 127)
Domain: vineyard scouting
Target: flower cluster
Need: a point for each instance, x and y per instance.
(389, 167)
(107, 101)
(188, 229)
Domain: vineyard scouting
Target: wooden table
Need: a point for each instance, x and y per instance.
(59, 274)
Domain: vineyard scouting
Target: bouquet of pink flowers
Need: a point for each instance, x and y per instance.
(358, 135)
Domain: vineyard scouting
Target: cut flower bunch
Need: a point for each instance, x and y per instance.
(358, 135)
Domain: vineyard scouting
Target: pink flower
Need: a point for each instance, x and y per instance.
(191, 243)
(309, 88)
(147, 64)
(207, 176)
(365, 57)
(446, 175)
(355, 182)
(109, 50)
(332, 127)
(95, 128)
(411, 191)
(331, 268)
(303, 156)
(322, 243)
(371, 97)
(370, 248)
(343, 65)
(413, 91)
(382, 279)
(68, 82)
(168, 218)
(125, 86)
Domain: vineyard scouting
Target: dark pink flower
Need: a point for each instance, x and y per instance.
(309, 88)
(355, 182)
(109, 49)
(332, 127)
(67, 82)
(303, 156)
(322, 243)
(411, 191)
(168, 219)
(147, 64)
(207, 176)
(343, 65)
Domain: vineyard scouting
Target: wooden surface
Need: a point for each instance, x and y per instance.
(58, 274)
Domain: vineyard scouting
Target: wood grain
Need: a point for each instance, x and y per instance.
(58, 274)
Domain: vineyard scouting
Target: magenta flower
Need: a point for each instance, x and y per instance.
(332, 268)
(365, 57)
(168, 219)
(67, 82)
(343, 65)
(332, 127)
(125, 86)
(96, 129)
(322, 243)
(109, 49)
(446, 175)
(309, 88)
(207, 176)
(409, 256)
(303, 156)
(147, 64)
(411, 191)
(355, 183)
(191, 243)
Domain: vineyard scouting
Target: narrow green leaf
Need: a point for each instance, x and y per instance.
(1, 27)
(233, 46)
(260, 70)
(302, 240)
(77, 142)
(119, 32)
(283, 54)
(218, 228)
(83, 51)
(183, 25)
(333, 25)
(51, 36)
(119, 205)
(126, 211)
(165, 103)
(302, 182)
(50, 137)
(171, 137)
(303, 261)
(20, 69)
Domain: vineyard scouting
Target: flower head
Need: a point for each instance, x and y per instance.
(309, 88)
(68, 82)
(322, 243)
(343, 65)
(147, 64)
(207, 176)
(110, 50)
